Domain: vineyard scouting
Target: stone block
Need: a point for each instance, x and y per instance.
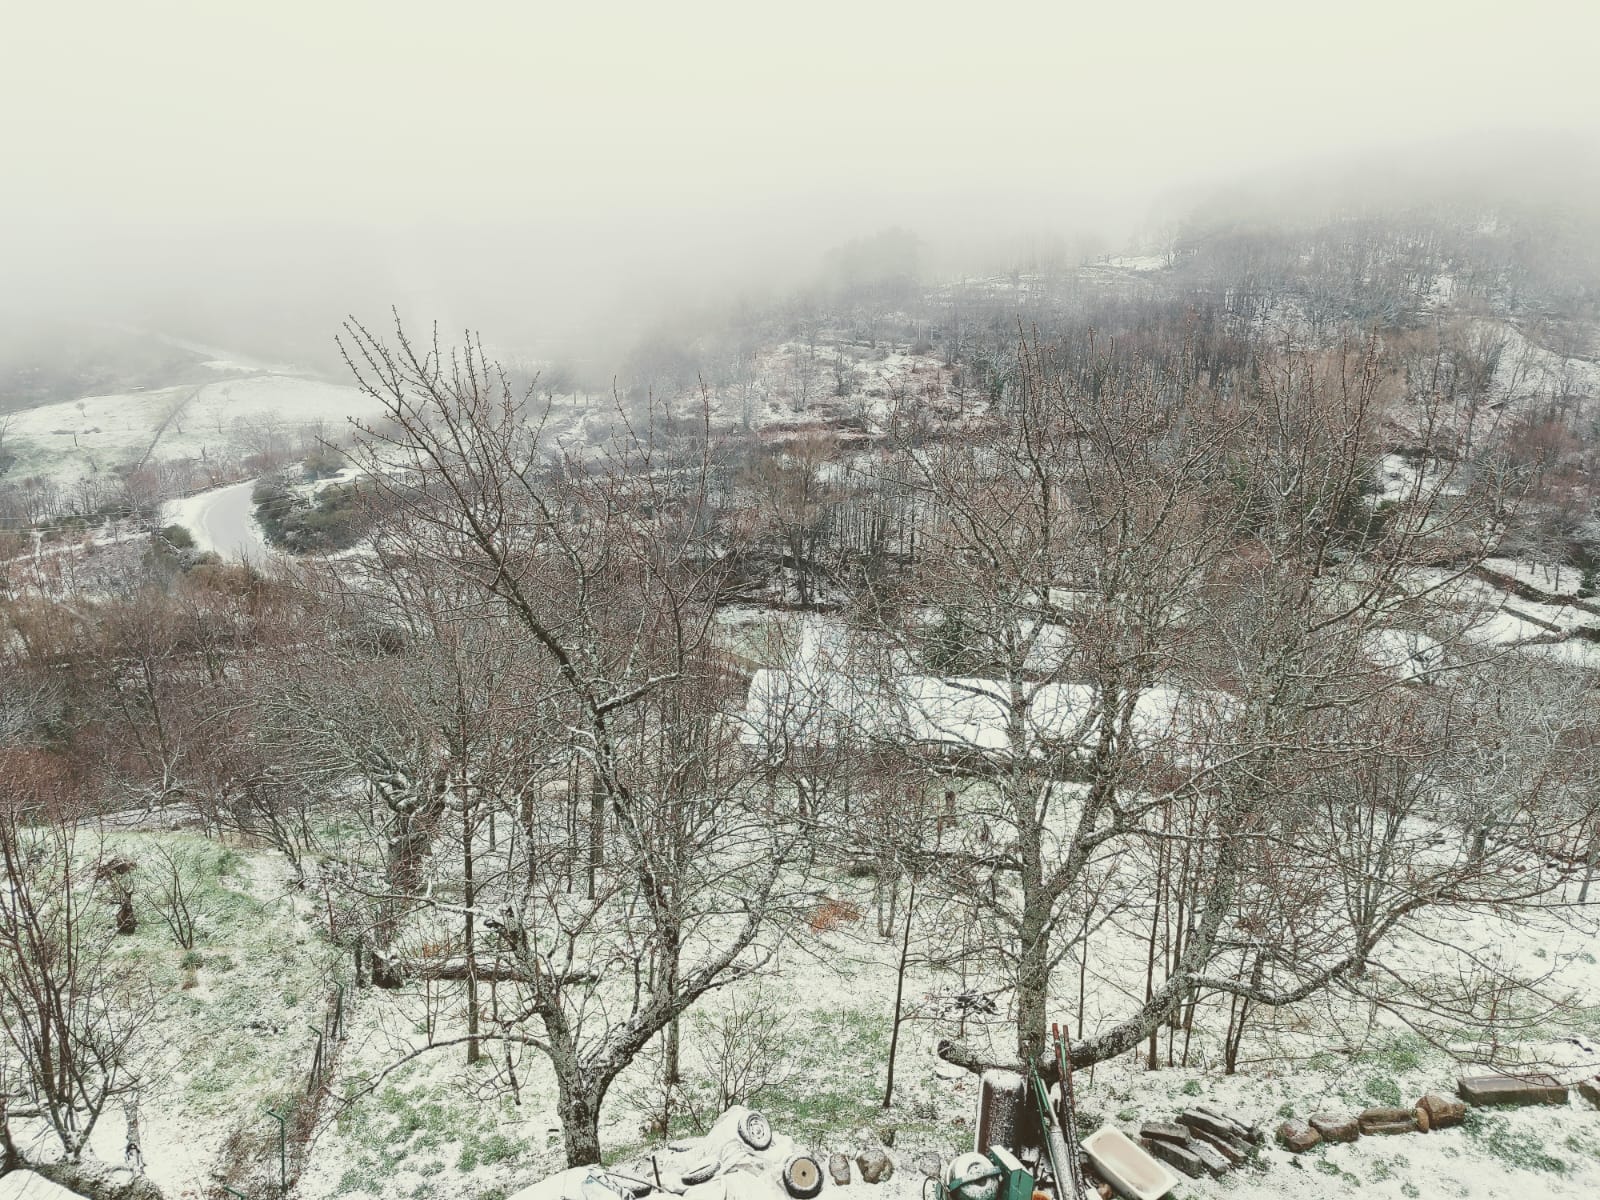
(1335, 1128)
(1298, 1136)
(1511, 1090)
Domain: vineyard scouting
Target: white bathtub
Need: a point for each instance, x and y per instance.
(1127, 1166)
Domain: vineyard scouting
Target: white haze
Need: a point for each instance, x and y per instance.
(253, 171)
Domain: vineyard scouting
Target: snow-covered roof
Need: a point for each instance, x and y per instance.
(831, 708)
(837, 691)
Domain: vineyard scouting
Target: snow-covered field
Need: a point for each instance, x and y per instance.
(428, 1133)
(219, 421)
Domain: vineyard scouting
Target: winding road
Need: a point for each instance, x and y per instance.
(223, 521)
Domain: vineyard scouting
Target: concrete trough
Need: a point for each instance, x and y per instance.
(1511, 1091)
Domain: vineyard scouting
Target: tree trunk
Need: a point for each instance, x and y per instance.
(673, 1072)
(899, 991)
(580, 1125)
(97, 1180)
(597, 832)
(1033, 983)
(470, 898)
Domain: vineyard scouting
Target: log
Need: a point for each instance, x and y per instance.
(1206, 1122)
(98, 1180)
(1159, 1131)
(1175, 1155)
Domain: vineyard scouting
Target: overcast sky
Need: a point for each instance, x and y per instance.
(489, 159)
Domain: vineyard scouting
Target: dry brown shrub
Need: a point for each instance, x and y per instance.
(831, 914)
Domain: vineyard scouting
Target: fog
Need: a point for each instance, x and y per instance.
(248, 174)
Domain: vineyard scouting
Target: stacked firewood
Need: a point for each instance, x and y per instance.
(1202, 1141)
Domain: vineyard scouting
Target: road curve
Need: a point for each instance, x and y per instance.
(223, 521)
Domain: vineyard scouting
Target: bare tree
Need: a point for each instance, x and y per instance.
(607, 571)
(1144, 612)
(72, 1013)
(174, 891)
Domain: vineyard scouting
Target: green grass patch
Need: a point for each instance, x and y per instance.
(1515, 1147)
(1380, 1089)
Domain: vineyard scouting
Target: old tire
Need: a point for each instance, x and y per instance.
(802, 1177)
(699, 1174)
(755, 1131)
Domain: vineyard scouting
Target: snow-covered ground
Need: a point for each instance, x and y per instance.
(217, 421)
(424, 1134)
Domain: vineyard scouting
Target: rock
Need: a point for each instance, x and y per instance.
(1175, 1155)
(1442, 1111)
(1589, 1089)
(1335, 1128)
(1509, 1090)
(1298, 1136)
(875, 1166)
(929, 1163)
(1159, 1131)
(1424, 1125)
(1387, 1120)
(839, 1169)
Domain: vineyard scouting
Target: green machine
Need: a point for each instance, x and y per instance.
(997, 1175)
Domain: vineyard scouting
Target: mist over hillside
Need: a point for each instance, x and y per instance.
(601, 602)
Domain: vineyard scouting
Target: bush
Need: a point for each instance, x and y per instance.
(322, 463)
(178, 537)
(335, 521)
